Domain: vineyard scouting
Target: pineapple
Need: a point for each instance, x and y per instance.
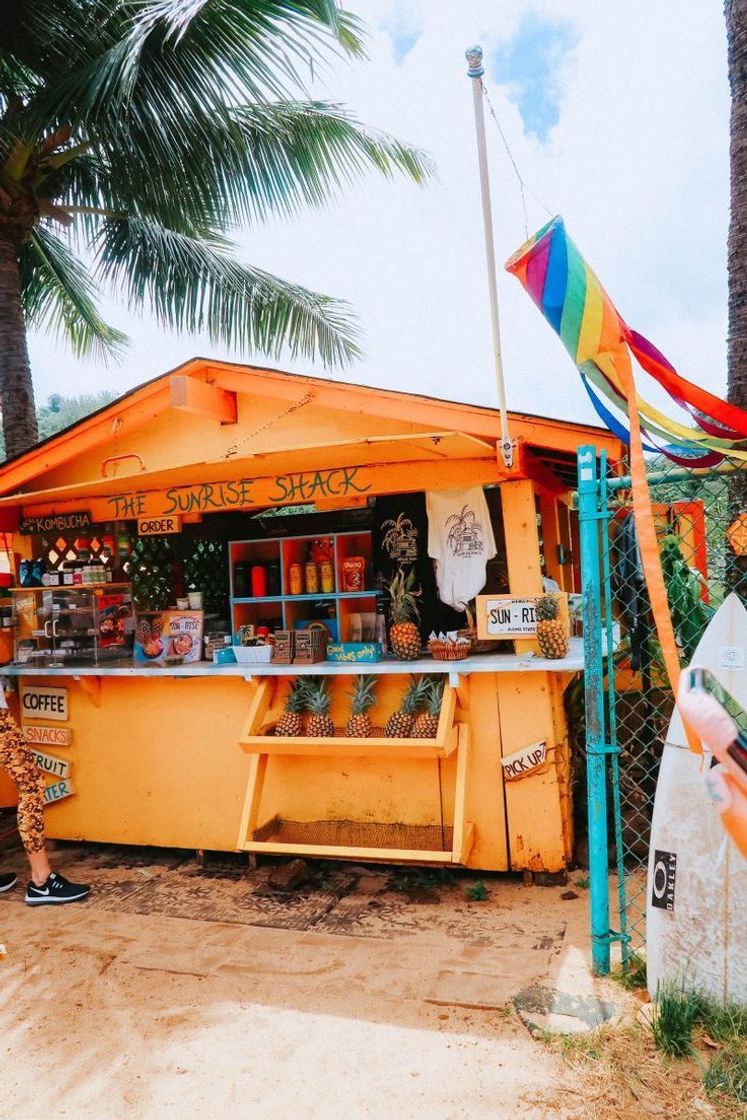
(399, 724)
(359, 724)
(320, 726)
(551, 633)
(404, 636)
(426, 724)
(290, 723)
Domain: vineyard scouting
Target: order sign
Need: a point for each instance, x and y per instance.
(44, 703)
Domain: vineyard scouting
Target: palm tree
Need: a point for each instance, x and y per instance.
(133, 133)
(736, 38)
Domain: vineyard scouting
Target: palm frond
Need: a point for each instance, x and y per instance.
(58, 296)
(194, 284)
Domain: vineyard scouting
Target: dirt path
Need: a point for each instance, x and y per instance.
(119, 1009)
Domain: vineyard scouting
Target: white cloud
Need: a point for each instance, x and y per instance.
(638, 165)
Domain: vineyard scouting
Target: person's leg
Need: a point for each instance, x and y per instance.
(46, 886)
(16, 758)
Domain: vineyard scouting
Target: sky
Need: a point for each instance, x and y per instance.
(617, 117)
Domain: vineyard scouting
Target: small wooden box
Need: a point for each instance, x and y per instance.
(310, 646)
(284, 648)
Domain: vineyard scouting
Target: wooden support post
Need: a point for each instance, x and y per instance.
(460, 794)
(551, 538)
(522, 544)
(254, 786)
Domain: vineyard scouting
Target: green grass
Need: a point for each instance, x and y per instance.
(676, 1013)
(421, 879)
(583, 883)
(727, 1074)
(679, 1012)
(478, 892)
(634, 976)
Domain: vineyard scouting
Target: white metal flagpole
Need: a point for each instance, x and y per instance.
(475, 71)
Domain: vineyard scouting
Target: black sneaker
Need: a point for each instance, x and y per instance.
(7, 881)
(56, 889)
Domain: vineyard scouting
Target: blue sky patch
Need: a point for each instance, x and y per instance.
(531, 67)
(403, 32)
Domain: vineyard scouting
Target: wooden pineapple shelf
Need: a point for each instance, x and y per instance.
(258, 741)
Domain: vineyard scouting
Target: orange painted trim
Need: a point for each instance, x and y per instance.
(234, 492)
(143, 404)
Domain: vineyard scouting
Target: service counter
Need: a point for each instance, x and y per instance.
(186, 758)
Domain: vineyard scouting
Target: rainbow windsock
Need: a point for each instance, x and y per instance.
(576, 306)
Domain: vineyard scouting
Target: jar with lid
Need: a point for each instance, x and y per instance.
(295, 579)
(241, 581)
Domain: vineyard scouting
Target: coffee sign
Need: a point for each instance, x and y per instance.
(44, 703)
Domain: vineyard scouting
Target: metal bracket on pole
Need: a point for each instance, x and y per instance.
(475, 71)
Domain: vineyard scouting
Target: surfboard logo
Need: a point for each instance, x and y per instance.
(663, 880)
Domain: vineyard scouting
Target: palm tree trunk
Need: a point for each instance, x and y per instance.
(735, 12)
(16, 389)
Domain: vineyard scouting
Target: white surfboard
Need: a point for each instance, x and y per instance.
(696, 910)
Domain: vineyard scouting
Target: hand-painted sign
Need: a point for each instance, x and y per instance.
(236, 493)
(524, 762)
(48, 736)
(58, 790)
(158, 526)
(55, 767)
(44, 703)
(55, 523)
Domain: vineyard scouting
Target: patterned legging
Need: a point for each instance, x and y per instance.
(16, 758)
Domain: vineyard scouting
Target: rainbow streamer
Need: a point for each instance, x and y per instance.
(576, 306)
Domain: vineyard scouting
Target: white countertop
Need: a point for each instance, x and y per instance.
(488, 663)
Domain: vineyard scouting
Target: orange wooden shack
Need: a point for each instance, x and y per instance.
(177, 754)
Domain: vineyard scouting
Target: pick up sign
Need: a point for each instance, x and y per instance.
(524, 762)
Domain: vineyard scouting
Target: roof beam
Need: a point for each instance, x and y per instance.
(187, 394)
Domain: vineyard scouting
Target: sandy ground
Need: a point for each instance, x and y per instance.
(178, 991)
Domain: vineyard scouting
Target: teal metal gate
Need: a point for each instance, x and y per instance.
(702, 530)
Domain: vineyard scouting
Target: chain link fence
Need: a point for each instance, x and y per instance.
(701, 521)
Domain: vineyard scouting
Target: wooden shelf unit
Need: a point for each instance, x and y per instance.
(293, 609)
(258, 741)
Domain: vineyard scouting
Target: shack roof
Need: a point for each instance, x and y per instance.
(210, 422)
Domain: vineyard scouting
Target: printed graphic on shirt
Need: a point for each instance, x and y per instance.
(465, 533)
(400, 540)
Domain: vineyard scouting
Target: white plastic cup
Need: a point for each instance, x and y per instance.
(182, 604)
(194, 599)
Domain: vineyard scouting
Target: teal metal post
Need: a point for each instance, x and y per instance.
(596, 750)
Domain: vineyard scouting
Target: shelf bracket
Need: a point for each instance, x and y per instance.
(460, 684)
(91, 685)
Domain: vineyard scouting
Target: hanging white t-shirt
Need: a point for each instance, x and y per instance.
(461, 541)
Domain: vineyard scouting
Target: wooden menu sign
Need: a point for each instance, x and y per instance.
(158, 526)
(513, 616)
(48, 736)
(55, 523)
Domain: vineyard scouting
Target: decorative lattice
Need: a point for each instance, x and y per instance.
(206, 569)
